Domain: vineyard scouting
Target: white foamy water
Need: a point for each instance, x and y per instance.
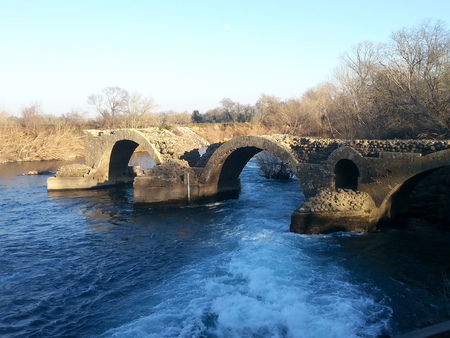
(266, 287)
(262, 281)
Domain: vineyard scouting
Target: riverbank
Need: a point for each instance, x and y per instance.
(19, 144)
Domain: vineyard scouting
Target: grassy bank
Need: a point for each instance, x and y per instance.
(18, 143)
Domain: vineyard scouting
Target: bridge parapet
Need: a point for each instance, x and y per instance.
(316, 150)
(161, 144)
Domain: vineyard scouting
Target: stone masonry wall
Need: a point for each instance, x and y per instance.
(314, 150)
(169, 144)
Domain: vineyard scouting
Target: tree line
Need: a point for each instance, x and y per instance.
(400, 89)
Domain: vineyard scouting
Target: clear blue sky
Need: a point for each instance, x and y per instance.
(186, 54)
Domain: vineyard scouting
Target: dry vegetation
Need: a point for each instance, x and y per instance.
(272, 167)
(19, 145)
(218, 132)
(36, 138)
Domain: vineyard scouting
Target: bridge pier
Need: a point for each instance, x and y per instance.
(336, 210)
(81, 176)
(314, 223)
(175, 183)
(159, 191)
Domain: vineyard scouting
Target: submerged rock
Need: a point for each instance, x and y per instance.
(39, 172)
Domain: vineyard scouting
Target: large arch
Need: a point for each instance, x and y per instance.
(396, 205)
(227, 162)
(392, 205)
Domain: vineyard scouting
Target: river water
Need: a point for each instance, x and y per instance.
(86, 264)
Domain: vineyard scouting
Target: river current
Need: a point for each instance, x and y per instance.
(87, 264)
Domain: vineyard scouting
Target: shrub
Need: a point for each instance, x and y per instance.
(272, 167)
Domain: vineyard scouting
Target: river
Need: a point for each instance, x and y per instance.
(87, 264)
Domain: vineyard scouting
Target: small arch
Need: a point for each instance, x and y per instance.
(346, 175)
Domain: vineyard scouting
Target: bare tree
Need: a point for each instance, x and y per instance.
(118, 108)
(272, 167)
(418, 73)
(228, 107)
(32, 116)
(400, 89)
(139, 111)
(319, 108)
(268, 107)
(110, 104)
(358, 95)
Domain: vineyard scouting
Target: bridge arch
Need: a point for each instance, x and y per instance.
(121, 154)
(395, 205)
(227, 162)
(345, 164)
(113, 156)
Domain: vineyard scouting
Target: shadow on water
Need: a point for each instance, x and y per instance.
(410, 265)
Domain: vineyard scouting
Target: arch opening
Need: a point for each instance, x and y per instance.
(229, 184)
(127, 162)
(346, 175)
(142, 160)
(120, 157)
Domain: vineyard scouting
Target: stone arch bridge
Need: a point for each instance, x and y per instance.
(349, 185)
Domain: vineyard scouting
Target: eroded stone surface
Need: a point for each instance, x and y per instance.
(338, 200)
(73, 170)
(331, 211)
(169, 169)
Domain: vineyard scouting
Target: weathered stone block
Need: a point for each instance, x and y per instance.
(314, 223)
(73, 170)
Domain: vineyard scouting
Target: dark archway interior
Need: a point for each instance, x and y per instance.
(424, 196)
(346, 175)
(229, 183)
(120, 157)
